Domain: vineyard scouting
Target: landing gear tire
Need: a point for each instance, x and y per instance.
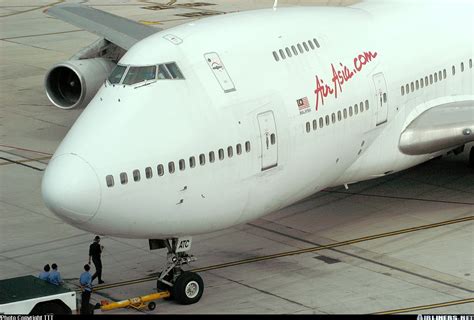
(151, 306)
(188, 288)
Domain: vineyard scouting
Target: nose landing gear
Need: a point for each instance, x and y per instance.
(185, 287)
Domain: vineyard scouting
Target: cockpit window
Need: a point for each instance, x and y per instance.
(174, 70)
(117, 74)
(140, 74)
(163, 72)
(129, 75)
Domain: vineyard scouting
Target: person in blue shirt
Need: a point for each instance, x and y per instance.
(85, 280)
(44, 275)
(54, 276)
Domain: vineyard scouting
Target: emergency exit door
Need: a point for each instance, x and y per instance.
(269, 141)
(381, 98)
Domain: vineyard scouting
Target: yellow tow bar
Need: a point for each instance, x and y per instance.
(135, 303)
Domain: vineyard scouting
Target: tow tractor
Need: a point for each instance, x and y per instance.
(30, 295)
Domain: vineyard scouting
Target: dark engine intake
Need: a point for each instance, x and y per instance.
(72, 84)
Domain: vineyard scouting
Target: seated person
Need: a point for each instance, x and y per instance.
(54, 276)
(44, 275)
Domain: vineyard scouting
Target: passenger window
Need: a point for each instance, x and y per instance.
(462, 66)
(202, 159)
(431, 79)
(110, 181)
(160, 170)
(308, 127)
(282, 54)
(136, 175)
(239, 149)
(454, 70)
(174, 71)
(230, 152)
(123, 178)
(288, 52)
(247, 146)
(182, 165)
(300, 48)
(333, 118)
(440, 76)
(403, 90)
(350, 111)
(171, 167)
(311, 44)
(356, 109)
(117, 74)
(327, 120)
(422, 84)
(315, 124)
(339, 115)
(305, 46)
(295, 52)
(272, 139)
(444, 73)
(366, 105)
(275, 56)
(470, 63)
(139, 74)
(384, 97)
(192, 162)
(407, 89)
(435, 77)
(316, 42)
(344, 112)
(212, 157)
(221, 154)
(163, 72)
(417, 85)
(412, 87)
(321, 123)
(148, 173)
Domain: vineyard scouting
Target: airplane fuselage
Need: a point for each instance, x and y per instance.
(275, 105)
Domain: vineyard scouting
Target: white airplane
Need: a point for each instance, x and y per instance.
(220, 121)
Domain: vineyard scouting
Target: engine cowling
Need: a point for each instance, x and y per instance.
(72, 84)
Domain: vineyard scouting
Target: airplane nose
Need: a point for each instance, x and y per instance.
(70, 188)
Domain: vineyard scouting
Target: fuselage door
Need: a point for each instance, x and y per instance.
(381, 98)
(269, 141)
(220, 72)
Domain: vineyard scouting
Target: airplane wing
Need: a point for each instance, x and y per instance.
(439, 128)
(120, 31)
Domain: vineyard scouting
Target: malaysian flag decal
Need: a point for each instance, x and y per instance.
(303, 105)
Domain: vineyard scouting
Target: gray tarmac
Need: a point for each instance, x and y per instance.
(418, 268)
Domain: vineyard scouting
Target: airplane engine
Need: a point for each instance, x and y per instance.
(72, 84)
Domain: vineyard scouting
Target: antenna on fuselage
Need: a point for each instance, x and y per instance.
(275, 4)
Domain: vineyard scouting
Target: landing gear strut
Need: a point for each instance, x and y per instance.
(185, 287)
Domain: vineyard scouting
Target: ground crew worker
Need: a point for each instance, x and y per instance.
(85, 280)
(44, 275)
(95, 250)
(55, 276)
